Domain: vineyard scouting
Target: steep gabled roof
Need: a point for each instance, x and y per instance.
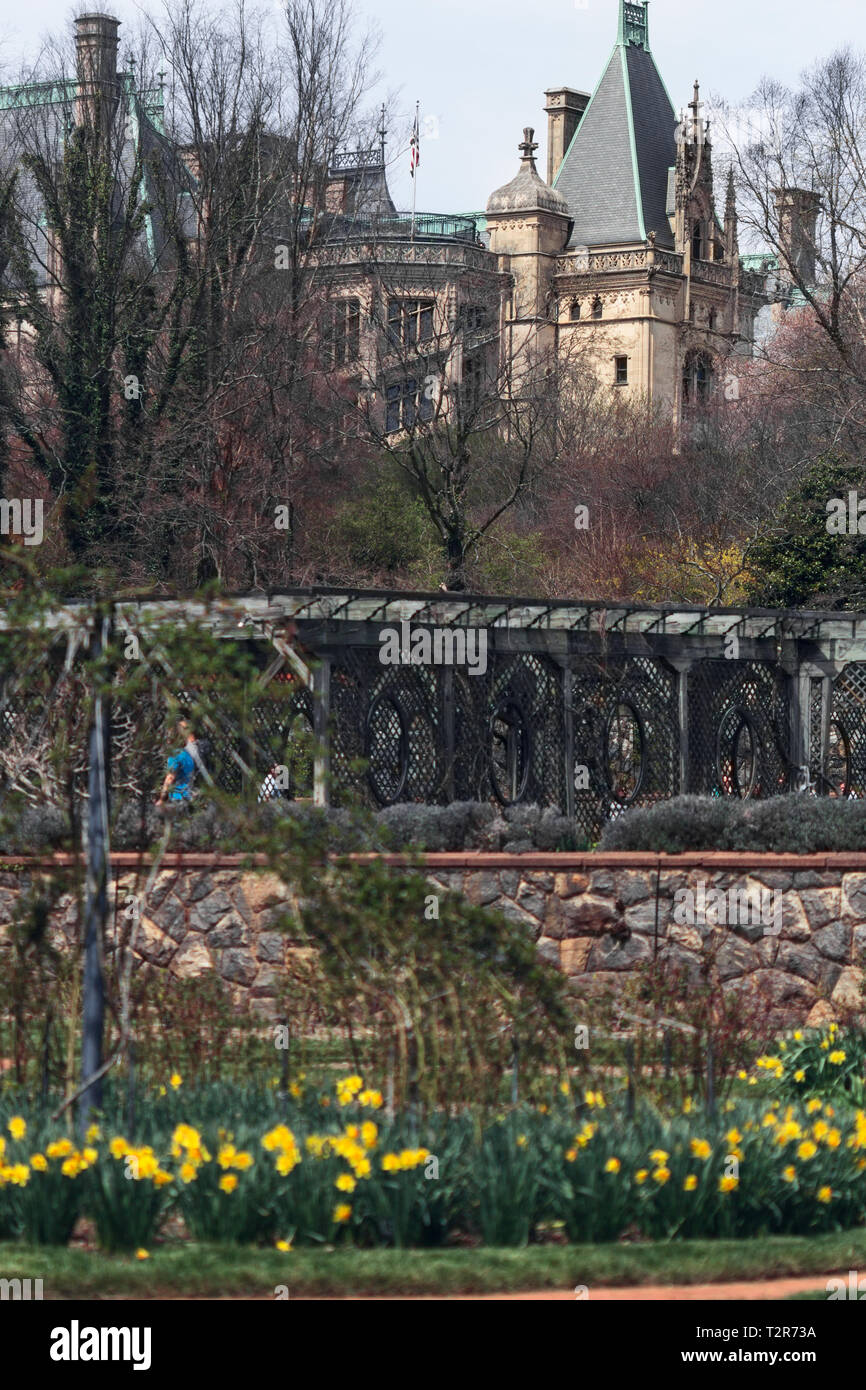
(615, 172)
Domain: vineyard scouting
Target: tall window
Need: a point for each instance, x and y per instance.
(406, 402)
(574, 310)
(697, 378)
(596, 308)
(472, 386)
(410, 321)
(697, 241)
(341, 332)
(473, 317)
(621, 371)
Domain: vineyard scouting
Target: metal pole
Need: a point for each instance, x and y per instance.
(96, 897)
(415, 166)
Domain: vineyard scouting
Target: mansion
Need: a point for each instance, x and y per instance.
(621, 258)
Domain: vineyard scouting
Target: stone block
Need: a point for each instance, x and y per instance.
(799, 960)
(582, 916)
(549, 950)
(854, 896)
(263, 890)
(574, 954)
(482, 889)
(835, 941)
(850, 989)
(619, 953)
(271, 947)
(192, 960)
(238, 966)
(569, 885)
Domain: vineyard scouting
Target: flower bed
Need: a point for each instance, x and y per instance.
(331, 1168)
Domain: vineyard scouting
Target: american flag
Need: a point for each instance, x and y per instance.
(414, 147)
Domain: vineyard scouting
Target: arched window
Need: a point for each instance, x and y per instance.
(711, 320)
(596, 308)
(697, 378)
(574, 310)
(697, 241)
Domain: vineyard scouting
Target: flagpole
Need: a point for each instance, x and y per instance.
(415, 167)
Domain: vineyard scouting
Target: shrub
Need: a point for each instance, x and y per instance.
(795, 824)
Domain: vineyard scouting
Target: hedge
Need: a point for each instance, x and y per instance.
(796, 824)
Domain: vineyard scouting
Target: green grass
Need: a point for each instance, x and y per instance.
(190, 1269)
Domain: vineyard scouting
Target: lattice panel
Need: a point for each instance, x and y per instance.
(282, 720)
(390, 718)
(845, 758)
(816, 730)
(509, 732)
(625, 737)
(739, 729)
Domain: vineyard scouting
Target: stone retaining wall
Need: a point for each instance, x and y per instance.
(596, 916)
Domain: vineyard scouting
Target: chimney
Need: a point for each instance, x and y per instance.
(565, 108)
(797, 215)
(96, 42)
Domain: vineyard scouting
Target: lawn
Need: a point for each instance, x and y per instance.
(190, 1269)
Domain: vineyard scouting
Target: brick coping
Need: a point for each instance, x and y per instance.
(562, 862)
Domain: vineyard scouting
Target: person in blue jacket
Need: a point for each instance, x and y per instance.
(177, 785)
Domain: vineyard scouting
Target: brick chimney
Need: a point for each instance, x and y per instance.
(96, 43)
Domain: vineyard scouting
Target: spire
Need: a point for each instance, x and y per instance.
(383, 131)
(731, 241)
(615, 172)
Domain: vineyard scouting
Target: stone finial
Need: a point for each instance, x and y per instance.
(527, 146)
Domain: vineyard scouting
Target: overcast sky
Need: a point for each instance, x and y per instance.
(480, 67)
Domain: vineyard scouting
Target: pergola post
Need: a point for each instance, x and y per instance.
(321, 721)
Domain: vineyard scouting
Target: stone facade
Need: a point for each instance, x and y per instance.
(595, 916)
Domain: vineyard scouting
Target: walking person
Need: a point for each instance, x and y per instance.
(182, 766)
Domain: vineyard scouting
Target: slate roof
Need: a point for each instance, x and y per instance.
(50, 108)
(616, 169)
